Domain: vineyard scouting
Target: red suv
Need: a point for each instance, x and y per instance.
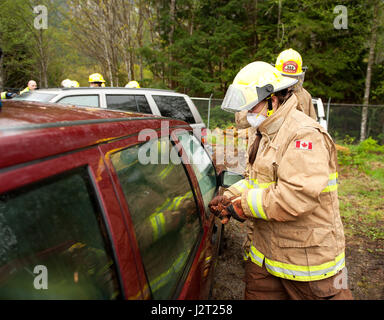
(98, 204)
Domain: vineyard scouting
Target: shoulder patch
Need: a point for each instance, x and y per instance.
(303, 145)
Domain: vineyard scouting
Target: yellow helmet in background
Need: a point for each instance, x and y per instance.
(75, 84)
(132, 84)
(96, 77)
(290, 63)
(254, 83)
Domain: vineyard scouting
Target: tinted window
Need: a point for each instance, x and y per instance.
(134, 103)
(35, 96)
(84, 100)
(163, 211)
(174, 107)
(56, 224)
(202, 166)
(142, 104)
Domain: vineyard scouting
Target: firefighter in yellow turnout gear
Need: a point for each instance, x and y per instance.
(295, 243)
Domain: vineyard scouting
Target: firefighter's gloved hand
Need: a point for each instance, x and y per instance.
(235, 210)
(225, 208)
(10, 95)
(218, 204)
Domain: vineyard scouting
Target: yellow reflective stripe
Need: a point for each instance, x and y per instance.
(305, 273)
(330, 188)
(162, 279)
(162, 207)
(255, 203)
(256, 256)
(158, 226)
(254, 183)
(333, 176)
(176, 201)
(3, 95)
(296, 272)
(265, 185)
(243, 185)
(332, 183)
(165, 172)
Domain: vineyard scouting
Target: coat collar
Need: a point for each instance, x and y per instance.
(273, 123)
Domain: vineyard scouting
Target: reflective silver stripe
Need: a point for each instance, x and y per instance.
(306, 273)
(255, 203)
(243, 185)
(332, 183)
(297, 273)
(256, 258)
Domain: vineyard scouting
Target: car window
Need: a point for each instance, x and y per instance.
(134, 103)
(142, 104)
(174, 107)
(202, 166)
(35, 96)
(164, 213)
(83, 100)
(53, 242)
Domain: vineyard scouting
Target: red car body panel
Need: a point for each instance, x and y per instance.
(41, 140)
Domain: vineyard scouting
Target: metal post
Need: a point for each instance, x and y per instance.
(329, 104)
(209, 108)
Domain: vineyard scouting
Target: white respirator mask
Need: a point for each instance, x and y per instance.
(255, 120)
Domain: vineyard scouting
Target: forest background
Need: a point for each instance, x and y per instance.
(198, 46)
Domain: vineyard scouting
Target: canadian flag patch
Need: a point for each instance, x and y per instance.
(303, 145)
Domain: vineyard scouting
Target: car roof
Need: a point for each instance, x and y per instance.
(34, 130)
(109, 89)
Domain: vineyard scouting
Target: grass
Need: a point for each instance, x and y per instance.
(361, 189)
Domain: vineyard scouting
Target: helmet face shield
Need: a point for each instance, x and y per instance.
(239, 97)
(254, 83)
(234, 99)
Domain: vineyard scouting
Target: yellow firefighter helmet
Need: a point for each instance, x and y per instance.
(96, 77)
(132, 84)
(254, 83)
(290, 63)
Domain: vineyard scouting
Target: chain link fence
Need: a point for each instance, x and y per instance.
(344, 120)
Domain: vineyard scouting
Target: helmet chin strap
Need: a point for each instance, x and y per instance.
(270, 107)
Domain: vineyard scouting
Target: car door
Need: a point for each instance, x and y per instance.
(205, 174)
(165, 211)
(59, 217)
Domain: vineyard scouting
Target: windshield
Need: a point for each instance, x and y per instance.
(35, 96)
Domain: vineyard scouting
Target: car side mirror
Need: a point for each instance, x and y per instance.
(228, 178)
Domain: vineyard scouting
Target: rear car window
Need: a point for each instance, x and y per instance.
(134, 103)
(35, 96)
(83, 100)
(174, 107)
(54, 228)
(164, 213)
